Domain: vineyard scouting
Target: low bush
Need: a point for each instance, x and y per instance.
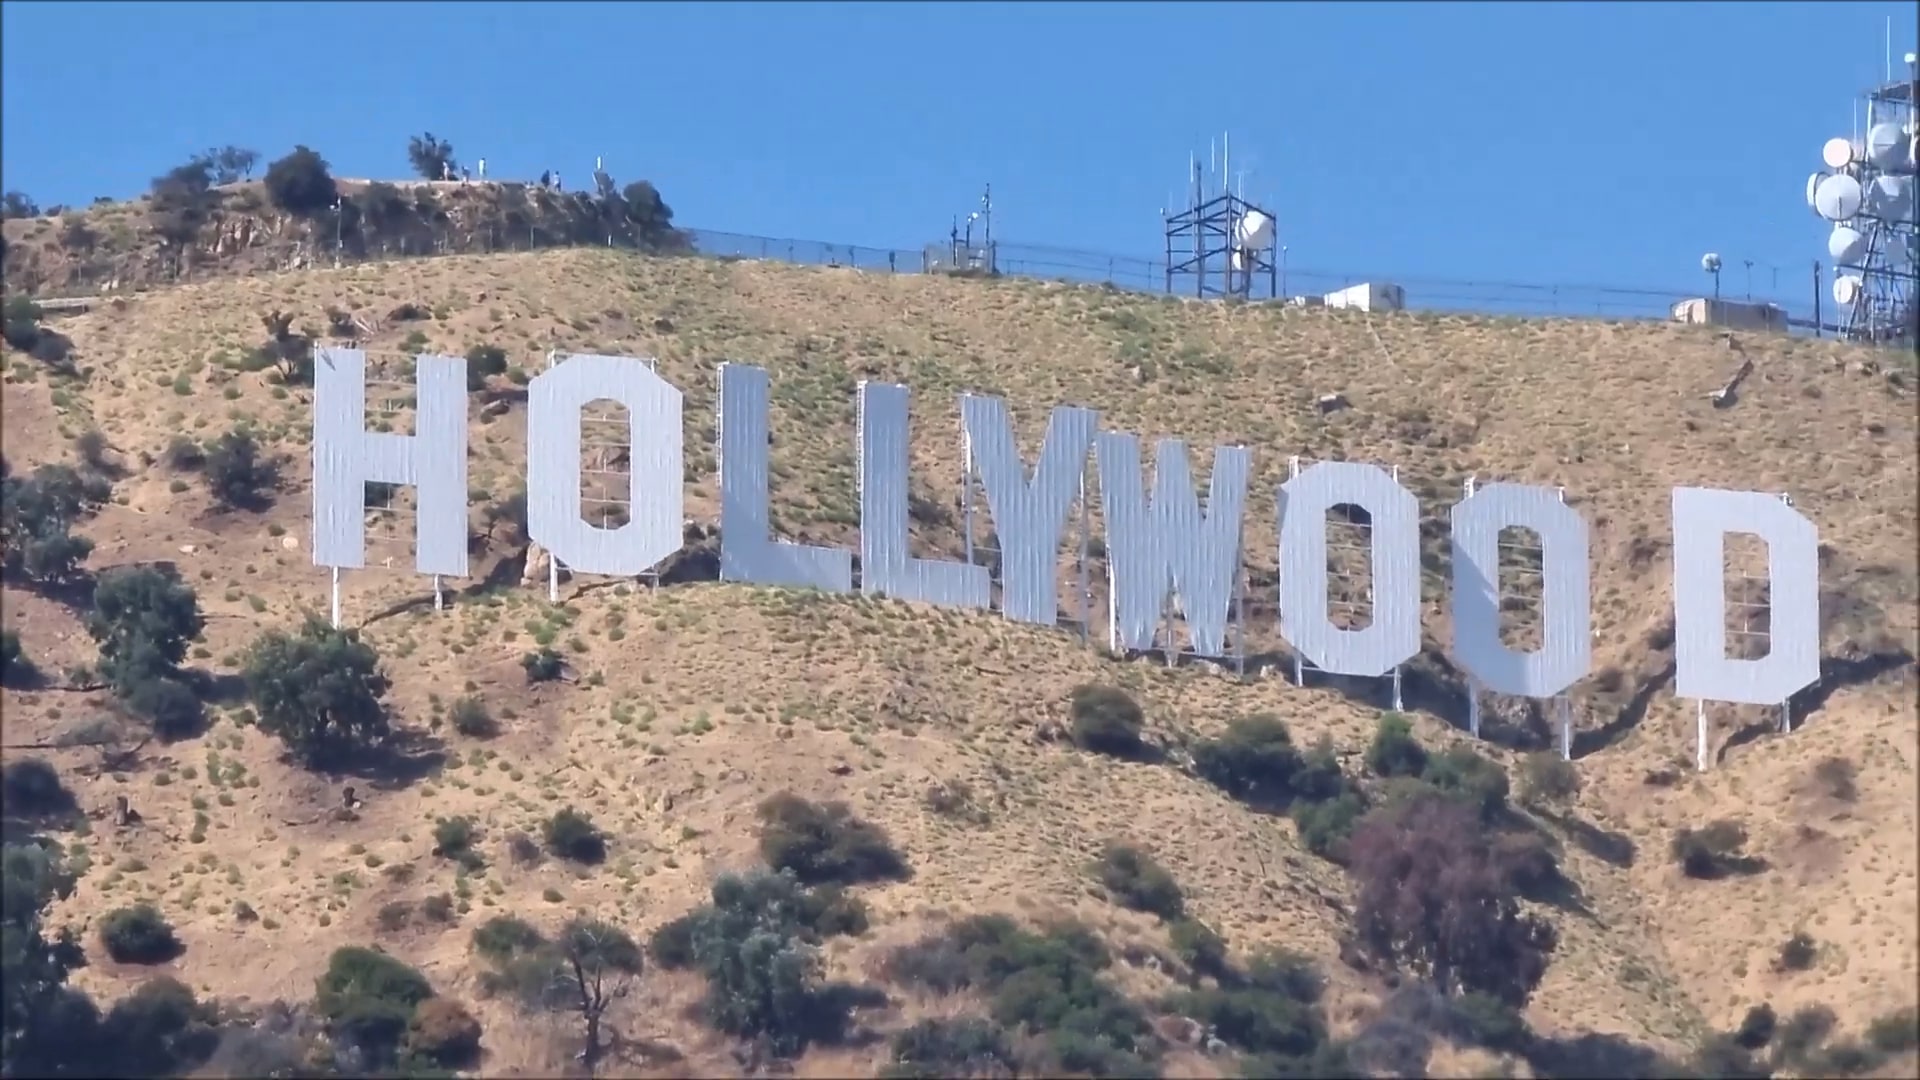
(1547, 779)
(936, 1049)
(1048, 983)
(31, 788)
(1107, 721)
(571, 834)
(1394, 751)
(822, 843)
(1897, 1032)
(543, 665)
(453, 838)
(368, 999)
(472, 719)
(1254, 761)
(484, 361)
(443, 1033)
(1197, 946)
(1797, 953)
(138, 935)
(1135, 880)
(1713, 851)
(239, 475)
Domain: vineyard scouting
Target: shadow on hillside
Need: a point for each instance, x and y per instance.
(1593, 1056)
(406, 758)
(504, 574)
(1631, 714)
(1614, 849)
(74, 593)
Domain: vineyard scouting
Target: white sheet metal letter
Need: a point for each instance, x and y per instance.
(346, 457)
(655, 484)
(1166, 538)
(748, 550)
(887, 567)
(1393, 637)
(1566, 649)
(1702, 518)
(1028, 515)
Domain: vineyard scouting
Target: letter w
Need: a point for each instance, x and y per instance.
(1170, 540)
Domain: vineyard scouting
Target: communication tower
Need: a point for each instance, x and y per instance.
(1222, 242)
(964, 251)
(1867, 194)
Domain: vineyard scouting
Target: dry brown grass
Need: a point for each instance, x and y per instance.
(697, 701)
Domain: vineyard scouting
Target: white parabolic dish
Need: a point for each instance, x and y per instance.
(1889, 198)
(1846, 288)
(1837, 198)
(1846, 245)
(1883, 146)
(1838, 153)
(1256, 231)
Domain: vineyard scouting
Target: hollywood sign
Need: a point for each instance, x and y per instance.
(1163, 544)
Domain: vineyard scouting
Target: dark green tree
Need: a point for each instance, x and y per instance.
(301, 183)
(47, 1028)
(318, 690)
(142, 617)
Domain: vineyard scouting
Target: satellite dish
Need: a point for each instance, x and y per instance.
(1710, 263)
(1256, 231)
(1889, 197)
(1846, 289)
(1838, 153)
(1812, 183)
(1837, 198)
(1846, 245)
(1883, 146)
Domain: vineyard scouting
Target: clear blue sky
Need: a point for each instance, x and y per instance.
(1596, 143)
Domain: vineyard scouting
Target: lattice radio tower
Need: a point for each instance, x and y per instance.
(1867, 193)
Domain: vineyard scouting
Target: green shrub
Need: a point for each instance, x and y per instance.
(1547, 779)
(1394, 751)
(31, 788)
(503, 937)
(1325, 826)
(483, 361)
(1196, 945)
(238, 475)
(543, 665)
(1464, 774)
(443, 1032)
(453, 839)
(571, 834)
(471, 718)
(1254, 760)
(169, 706)
(825, 842)
(1135, 880)
(1897, 1032)
(15, 668)
(369, 998)
(138, 935)
(936, 1049)
(1107, 721)
(183, 454)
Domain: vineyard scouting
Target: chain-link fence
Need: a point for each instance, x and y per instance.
(325, 246)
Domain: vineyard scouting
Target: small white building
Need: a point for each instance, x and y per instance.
(1732, 314)
(1369, 296)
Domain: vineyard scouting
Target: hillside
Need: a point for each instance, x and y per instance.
(117, 247)
(690, 703)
